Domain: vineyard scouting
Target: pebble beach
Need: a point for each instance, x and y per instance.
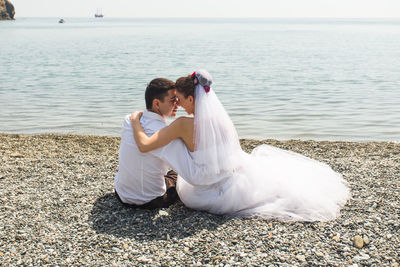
(57, 208)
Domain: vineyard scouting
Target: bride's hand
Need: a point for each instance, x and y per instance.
(136, 115)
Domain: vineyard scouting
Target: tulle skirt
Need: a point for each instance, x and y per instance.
(272, 183)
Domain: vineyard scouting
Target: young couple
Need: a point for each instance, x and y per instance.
(215, 174)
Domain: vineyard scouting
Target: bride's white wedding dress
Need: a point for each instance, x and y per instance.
(268, 183)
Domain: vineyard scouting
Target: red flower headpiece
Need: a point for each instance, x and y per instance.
(196, 81)
(194, 78)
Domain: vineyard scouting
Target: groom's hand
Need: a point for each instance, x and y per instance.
(136, 115)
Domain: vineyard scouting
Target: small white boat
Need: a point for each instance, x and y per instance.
(98, 14)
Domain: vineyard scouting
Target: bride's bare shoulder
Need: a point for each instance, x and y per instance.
(185, 131)
(184, 123)
(184, 120)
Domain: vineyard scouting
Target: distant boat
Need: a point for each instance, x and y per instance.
(98, 14)
(61, 21)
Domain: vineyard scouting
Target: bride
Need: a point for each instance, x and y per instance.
(217, 176)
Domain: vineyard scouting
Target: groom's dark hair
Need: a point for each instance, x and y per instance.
(157, 89)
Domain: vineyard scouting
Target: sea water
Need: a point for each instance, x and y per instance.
(321, 79)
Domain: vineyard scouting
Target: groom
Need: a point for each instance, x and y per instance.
(142, 180)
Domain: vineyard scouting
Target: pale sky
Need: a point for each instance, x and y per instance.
(210, 8)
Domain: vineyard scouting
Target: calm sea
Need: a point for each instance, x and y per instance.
(321, 79)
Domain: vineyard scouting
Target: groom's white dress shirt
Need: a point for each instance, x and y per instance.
(140, 176)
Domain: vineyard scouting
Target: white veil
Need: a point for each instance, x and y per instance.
(216, 140)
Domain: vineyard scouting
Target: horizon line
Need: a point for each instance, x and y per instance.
(116, 17)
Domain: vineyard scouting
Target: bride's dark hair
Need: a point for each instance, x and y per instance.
(185, 86)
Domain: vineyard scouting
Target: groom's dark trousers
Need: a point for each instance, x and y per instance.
(164, 201)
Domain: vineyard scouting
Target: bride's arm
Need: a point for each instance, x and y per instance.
(158, 139)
